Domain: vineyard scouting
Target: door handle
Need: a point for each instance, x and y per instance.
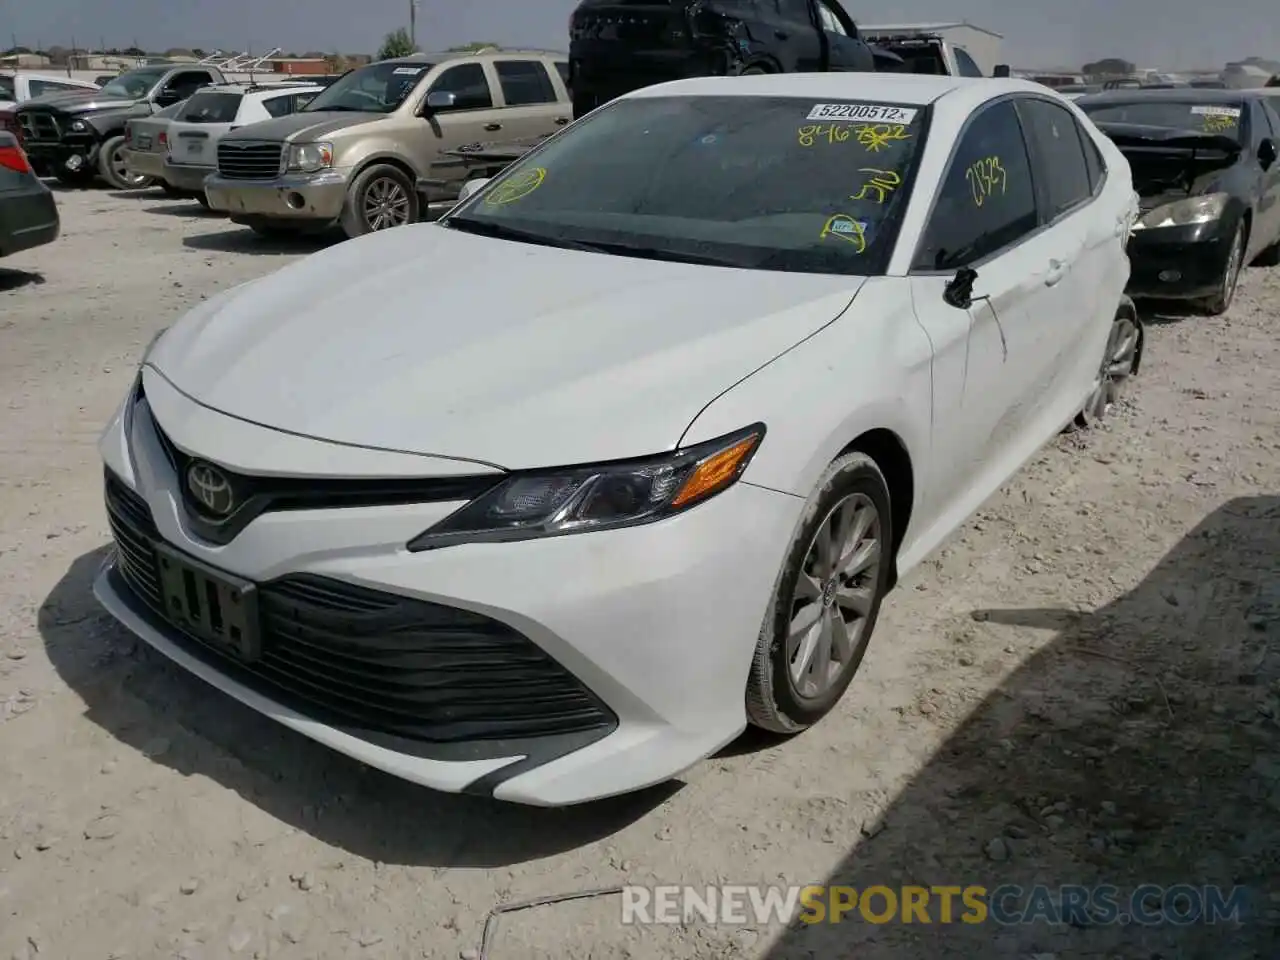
(493, 126)
(1057, 270)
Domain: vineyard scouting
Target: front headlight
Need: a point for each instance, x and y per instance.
(310, 157)
(550, 503)
(1185, 213)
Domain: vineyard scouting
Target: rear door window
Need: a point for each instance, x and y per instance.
(524, 83)
(279, 106)
(563, 69)
(209, 107)
(1060, 161)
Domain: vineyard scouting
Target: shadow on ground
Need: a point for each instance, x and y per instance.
(16, 279)
(1140, 747)
(244, 240)
(184, 208)
(145, 702)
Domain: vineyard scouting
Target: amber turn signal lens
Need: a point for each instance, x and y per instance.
(717, 471)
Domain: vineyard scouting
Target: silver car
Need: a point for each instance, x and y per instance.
(146, 145)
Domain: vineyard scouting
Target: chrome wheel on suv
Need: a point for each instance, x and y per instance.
(380, 198)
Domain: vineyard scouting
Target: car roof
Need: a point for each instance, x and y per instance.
(1206, 95)
(51, 77)
(909, 88)
(444, 55)
(249, 89)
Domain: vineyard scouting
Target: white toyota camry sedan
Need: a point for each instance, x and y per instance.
(547, 501)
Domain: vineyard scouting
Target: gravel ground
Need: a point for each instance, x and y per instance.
(1081, 687)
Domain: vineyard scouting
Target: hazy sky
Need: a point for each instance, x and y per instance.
(1178, 34)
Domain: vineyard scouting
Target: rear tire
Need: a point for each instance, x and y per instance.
(1120, 361)
(111, 167)
(836, 570)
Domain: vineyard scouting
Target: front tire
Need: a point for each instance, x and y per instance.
(381, 197)
(1220, 302)
(826, 599)
(112, 169)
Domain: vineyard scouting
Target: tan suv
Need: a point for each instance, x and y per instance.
(353, 155)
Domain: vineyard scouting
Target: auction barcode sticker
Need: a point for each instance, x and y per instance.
(866, 112)
(1203, 110)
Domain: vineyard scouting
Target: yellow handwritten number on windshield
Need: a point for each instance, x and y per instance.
(1219, 123)
(844, 227)
(883, 183)
(516, 188)
(808, 135)
(987, 178)
(876, 137)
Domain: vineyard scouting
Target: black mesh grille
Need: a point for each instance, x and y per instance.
(238, 160)
(370, 661)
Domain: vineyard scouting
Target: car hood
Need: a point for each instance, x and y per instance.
(305, 127)
(1169, 164)
(427, 340)
(90, 101)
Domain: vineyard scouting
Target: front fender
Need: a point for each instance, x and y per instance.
(111, 123)
(870, 369)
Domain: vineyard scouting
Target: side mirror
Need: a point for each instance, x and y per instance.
(958, 292)
(472, 187)
(1001, 70)
(441, 100)
(1267, 154)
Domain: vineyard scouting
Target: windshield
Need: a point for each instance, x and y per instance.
(377, 88)
(767, 183)
(1218, 118)
(211, 108)
(133, 85)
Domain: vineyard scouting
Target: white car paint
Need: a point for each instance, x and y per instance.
(428, 352)
(27, 86)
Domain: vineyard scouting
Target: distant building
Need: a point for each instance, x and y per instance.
(980, 43)
(25, 61)
(300, 66)
(103, 62)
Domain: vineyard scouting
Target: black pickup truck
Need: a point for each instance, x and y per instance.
(616, 46)
(79, 136)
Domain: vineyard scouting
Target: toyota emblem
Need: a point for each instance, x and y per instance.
(211, 489)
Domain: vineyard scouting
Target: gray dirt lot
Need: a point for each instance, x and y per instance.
(1082, 687)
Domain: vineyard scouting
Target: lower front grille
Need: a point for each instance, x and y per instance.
(250, 161)
(375, 663)
(39, 127)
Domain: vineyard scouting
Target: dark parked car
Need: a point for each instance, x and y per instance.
(28, 212)
(1205, 166)
(77, 137)
(616, 46)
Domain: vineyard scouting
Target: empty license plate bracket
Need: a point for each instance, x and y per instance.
(212, 606)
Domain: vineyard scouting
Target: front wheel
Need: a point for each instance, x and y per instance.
(825, 601)
(1220, 302)
(111, 167)
(381, 197)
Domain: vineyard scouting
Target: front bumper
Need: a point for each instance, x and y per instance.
(144, 163)
(52, 156)
(28, 219)
(183, 176)
(1178, 263)
(302, 198)
(656, 625)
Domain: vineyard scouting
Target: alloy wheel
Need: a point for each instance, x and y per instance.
(835, 593)
(118, 167)
(386, 204)
(1118, 363)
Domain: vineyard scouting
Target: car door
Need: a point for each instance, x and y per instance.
(987, 367)
(473, 119)
(846, 51)
(530, 107)
(1267, 224)
(788, 31)
(1084, 247)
